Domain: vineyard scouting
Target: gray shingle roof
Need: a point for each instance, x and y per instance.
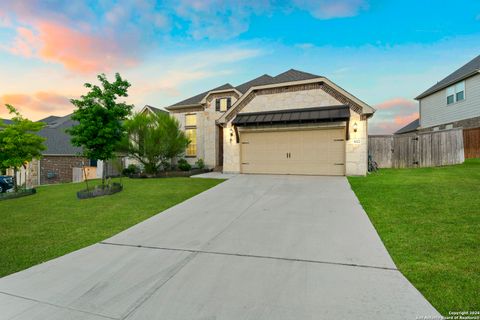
(49, 119)
(196, 99)
(287, 76)
(6, 121)
(411, 127)
(260, 81)
(464, 72)
(293, 75)
(57, 139)
(156, 110)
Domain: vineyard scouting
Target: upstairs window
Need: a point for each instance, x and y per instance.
(190, 120)
(456, 93)
(223, 104)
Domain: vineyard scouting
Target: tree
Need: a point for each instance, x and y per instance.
(100, 118)
(154, 140)
(18, 142)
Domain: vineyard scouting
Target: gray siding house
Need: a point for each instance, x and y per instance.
(452, 102)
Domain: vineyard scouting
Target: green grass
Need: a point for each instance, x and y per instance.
(53, 222)
(429, 220)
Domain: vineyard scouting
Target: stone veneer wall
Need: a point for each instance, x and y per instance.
(356, 153)
(466, 124)
(290, 100)
(207, 130)
(62, 166)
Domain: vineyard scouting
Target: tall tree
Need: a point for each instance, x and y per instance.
(18, 142)
(100, 118)
(154, 140)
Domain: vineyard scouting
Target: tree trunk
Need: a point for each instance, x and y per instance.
(15, 185)
(104, 172)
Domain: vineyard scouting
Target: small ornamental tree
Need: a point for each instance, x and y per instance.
(18, 142)
(154, 140)
(100, 118)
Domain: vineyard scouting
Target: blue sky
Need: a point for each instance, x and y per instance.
(384, 52)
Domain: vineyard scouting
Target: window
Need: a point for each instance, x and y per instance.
(191, 133)
(223, 104)
(192, 147)
(190, 120)
(456, 93)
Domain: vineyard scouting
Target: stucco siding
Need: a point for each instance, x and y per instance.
(434, 110)
(290, 100)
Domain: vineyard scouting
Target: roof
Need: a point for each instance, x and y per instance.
(6, 121)
(49, 119)
(304, 115)
(263, 79)
(293, 75)
(411, 127)
(469, 69)
(287, 76)
(198, 98)
(57, 139)
(154, 109)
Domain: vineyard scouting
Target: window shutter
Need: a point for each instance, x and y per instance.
(217, 105)
(229, 103)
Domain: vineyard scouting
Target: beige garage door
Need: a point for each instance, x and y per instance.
(315, 152)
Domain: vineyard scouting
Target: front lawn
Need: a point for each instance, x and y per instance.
(53, 222)
(429, 220)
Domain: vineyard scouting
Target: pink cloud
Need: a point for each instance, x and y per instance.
(76, 50)
(396, 102)
(404, 120)
(36, 105)
(392, 115)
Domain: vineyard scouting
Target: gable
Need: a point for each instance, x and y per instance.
(331, 94)
(268, 100)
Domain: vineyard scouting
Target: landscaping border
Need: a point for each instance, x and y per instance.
(169, 174)
(18, 194)
(98, 191)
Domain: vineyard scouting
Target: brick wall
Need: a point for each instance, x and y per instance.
(57, 169)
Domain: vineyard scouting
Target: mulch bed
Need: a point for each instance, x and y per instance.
(18, 194)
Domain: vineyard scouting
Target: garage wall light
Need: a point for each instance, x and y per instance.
(355, 127)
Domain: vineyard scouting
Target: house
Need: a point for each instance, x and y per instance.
(61, 161)
(147, 109)
(292, 123)
(453, 102)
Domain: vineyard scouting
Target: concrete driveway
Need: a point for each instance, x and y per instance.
(253, 247)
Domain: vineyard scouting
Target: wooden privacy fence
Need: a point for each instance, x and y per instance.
(429, 149)
(471, 143)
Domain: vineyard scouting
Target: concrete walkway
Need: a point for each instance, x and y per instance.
(253, 247)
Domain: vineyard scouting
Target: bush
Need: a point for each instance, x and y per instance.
(184, 165)
(131, 169)
(200, 164)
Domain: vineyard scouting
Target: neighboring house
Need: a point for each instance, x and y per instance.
(293, 123)
(59, 158)
(152, 110)
(452, 102)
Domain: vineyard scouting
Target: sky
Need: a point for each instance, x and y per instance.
(384, 52)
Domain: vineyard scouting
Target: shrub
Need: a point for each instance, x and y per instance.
(184, 165)
(131, 169)
(200, 164)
